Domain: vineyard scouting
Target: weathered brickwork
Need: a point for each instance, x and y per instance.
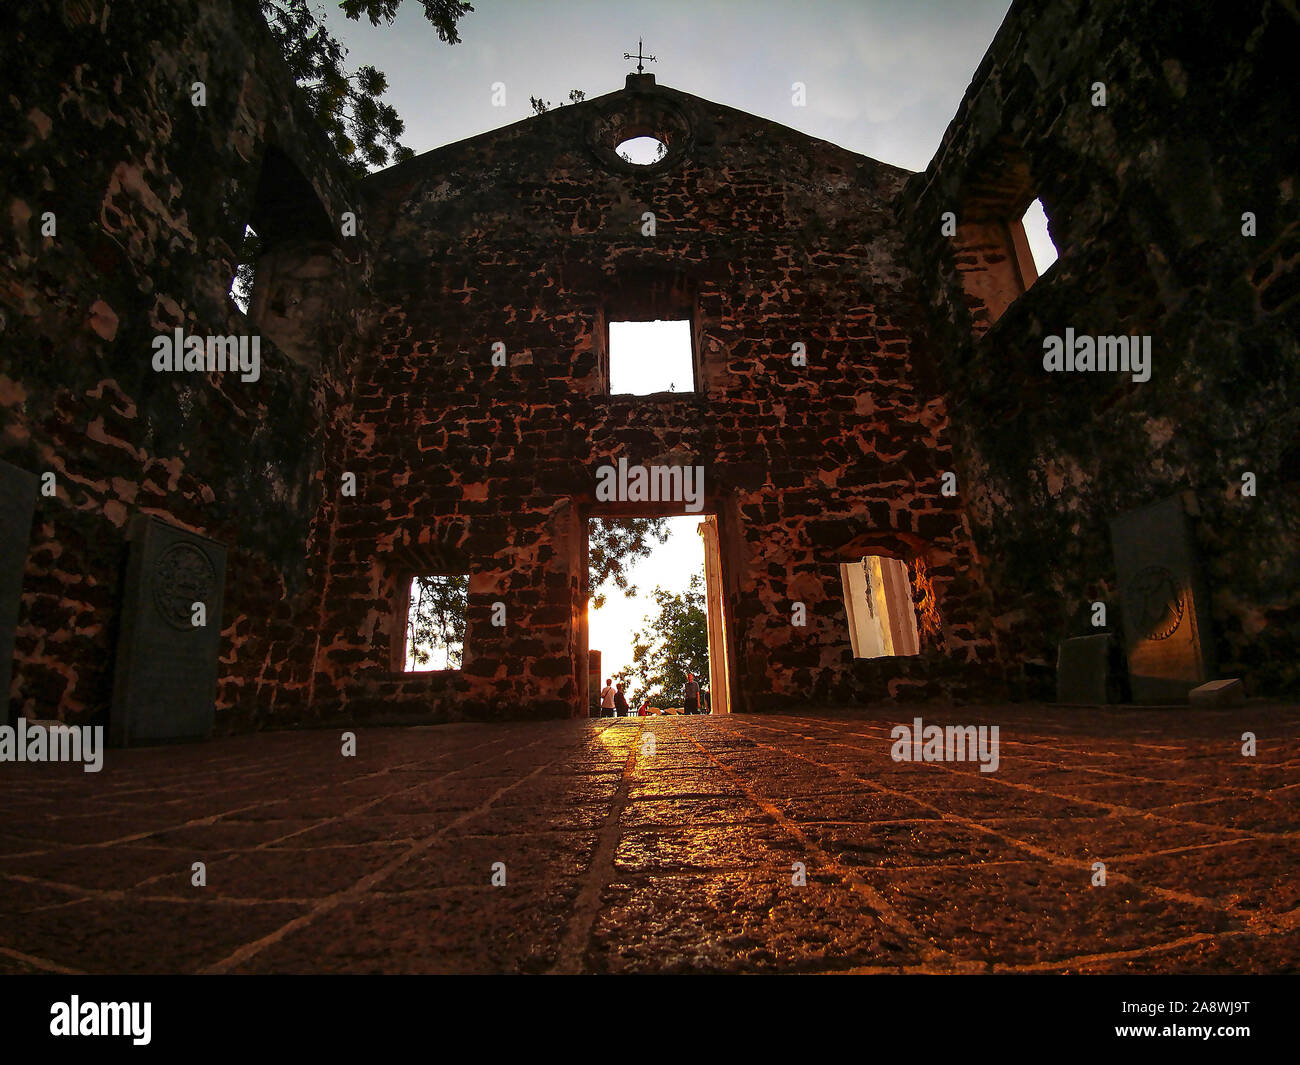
(1145, 198)
(150, 196)
(533, 236)
(923, 358)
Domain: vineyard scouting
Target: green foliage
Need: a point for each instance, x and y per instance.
(365, 130)
(614, 544)
(676, 641)
(249, 252)
(540, 106)
(444, 14)
(435, 621)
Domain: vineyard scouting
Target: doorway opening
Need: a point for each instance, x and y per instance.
(655, 616)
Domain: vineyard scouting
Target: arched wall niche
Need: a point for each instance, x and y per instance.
(299, 289)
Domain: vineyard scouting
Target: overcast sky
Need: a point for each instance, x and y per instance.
(883, 77)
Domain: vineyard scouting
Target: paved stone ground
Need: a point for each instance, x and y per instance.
(620, 861)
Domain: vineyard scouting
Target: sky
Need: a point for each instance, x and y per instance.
(882, 78)
(610, 629)
(646, 357)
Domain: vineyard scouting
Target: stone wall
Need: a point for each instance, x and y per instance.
(924, 357)
(1145, 197)
(532, 236)
(150, 195)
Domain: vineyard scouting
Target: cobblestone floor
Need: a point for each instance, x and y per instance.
(618, 860)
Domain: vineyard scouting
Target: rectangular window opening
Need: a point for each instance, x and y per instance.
(1002, 245)
(649, 357)
(1041, 249)
(435, 622)
(878, 599)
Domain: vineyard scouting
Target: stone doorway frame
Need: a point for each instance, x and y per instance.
(716, 568)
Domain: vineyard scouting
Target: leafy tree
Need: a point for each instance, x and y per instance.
(348, 105)
(614, 544)
(241, 290)
(364, 129)
(435, 621)
(675, 642)
(540, 106)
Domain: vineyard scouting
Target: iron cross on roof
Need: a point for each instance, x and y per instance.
(639, 57)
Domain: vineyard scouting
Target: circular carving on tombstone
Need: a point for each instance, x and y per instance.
(1156, 603)
(182, 576)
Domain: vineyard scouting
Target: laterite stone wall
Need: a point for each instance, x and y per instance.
(150, 195)
(1145, 197)
(534, 236)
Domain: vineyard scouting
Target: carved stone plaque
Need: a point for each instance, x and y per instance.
(1083, 670)
(167, 655)
(1163, 601)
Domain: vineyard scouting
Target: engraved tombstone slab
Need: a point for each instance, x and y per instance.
(1082, 670)
(1163, 601)
(166, 681)
(17, 505)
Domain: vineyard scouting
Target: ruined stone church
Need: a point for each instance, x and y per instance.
(229, 546)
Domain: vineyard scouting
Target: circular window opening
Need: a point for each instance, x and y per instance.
(642, 151)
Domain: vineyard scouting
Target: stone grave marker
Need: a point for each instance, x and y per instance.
(17, 506)
(1082, 670)
(1227, 692)
(166, 680)
(1163, 602)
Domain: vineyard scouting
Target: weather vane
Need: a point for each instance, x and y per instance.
(639, 57)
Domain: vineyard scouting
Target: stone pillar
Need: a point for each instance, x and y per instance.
(719, 690)
(593, 673)
(865, 633)
(896, 584)
(878, 604)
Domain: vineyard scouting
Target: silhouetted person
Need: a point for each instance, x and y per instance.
(607, 699)
(620, 703)
(706, 705)
(692, 694)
